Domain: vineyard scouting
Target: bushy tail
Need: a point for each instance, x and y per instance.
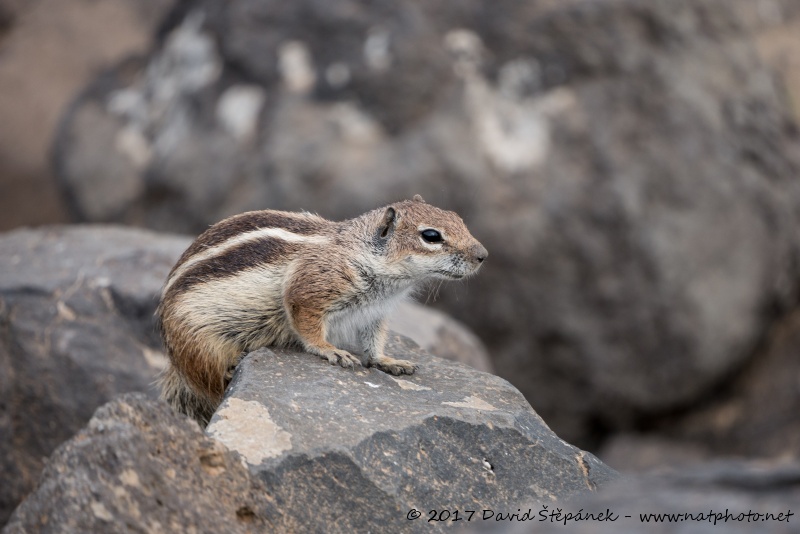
(179, 394)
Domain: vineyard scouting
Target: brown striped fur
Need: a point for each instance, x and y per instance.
(294, 279)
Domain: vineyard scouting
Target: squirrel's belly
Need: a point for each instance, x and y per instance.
(344, 327)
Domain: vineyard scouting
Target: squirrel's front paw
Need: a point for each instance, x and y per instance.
(392, 366)
(342, 357)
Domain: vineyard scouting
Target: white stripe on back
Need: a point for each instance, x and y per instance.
(254, 235)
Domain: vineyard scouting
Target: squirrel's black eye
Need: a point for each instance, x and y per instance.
(431, 236)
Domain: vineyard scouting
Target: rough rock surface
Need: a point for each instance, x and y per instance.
(138, 467)
(367, 447)
(735, 487)
(630, 165)
(76, 329)
(76, 307)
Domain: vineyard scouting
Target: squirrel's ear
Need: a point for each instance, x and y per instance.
(388, 222)
(418, 198)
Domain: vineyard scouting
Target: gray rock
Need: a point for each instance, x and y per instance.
(630, 165)
(76, 329)
(736, 488)
(367, 447)
(138, 467)
(76, 308)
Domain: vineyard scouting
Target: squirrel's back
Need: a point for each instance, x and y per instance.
(223, 297)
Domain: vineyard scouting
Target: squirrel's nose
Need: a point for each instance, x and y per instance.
(480, 253)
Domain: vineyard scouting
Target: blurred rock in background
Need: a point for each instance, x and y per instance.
(49, 49)
(631, 166)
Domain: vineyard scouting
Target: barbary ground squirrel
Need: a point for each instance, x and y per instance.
(273, 278)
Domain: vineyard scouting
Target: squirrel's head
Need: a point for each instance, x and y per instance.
(425, 241)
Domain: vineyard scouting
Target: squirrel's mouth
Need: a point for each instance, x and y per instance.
(459, 270)
(450, 275)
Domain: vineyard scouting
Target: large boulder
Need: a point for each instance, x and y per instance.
(367, 447)
(77, 329)
(138, 467)
(321, 448)
(631, 165)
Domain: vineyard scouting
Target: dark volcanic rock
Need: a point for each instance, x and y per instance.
(366, 447)
(138, 467)
(76, 329)
(630, 164)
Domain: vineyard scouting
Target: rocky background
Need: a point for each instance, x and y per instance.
(631, 165)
